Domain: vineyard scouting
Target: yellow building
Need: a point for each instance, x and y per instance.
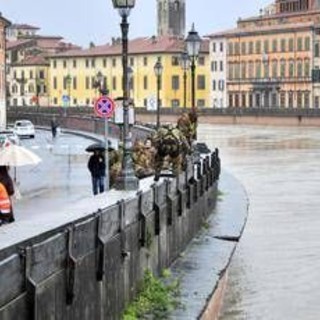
(74, 73)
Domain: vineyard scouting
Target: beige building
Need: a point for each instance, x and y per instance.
(273, 59)
(4, 23)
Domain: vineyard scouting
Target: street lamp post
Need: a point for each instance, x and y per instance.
(185, 65)
(158, 68)
(103, 92)
(193, 43)
(68, 84)
(127, 179)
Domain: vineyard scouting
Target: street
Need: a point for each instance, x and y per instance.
(60, 179)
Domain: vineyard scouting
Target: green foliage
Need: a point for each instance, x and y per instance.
(155, 298)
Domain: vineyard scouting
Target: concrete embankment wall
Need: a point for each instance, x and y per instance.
(90, 268)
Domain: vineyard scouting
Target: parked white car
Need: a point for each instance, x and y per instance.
(10, 135)
(24, 128)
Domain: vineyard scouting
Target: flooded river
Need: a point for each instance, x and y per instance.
(275, 273)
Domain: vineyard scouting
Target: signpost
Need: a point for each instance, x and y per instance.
(104, 108)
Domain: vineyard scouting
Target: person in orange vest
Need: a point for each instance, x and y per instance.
(6, 214)
(7, 183)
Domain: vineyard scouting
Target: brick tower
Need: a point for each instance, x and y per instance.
(171, 17)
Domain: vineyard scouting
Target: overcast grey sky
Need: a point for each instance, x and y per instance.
(82, 21)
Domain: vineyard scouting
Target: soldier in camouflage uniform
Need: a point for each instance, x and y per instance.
(187, 124)
(143, 158)
(171, 149)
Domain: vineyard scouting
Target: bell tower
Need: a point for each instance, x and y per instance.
(171, 17)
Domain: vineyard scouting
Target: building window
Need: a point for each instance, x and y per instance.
(283, 68)
(55, 101)
(258, 103)
(237, 70)
(93, 82)
(299, 68)
(104, 63)
(266, 69)
(54, 64)
(237, 48)
(317, 50)
(299, 99)
(74, 63)
(251, 69)
(316, 102)
(201, 61)
(291, 45)
(31, 75)
(87, 101)
(290, 100)
(114, 62)
(283, 45)
(75, 83)
(243, 48)
(250, 100)
(230, 48)
(274, 69)
(175, 103)
(114, 83)
(306, 99)
(282, 99)
(214, 85)
(87, 63)
(250, 47)
(175, 85)
(236, 100)
(291, 68)
(64, 64)
(145, 61)
(221, 46)
(274, 45)
(131, 62)
(201, 81)
(307, 43)
(307, 68)
(221, 85)
(221, 65)
(266, 46)
(258, 69)
(145, 82)
(258, 47)
(201, 103)
(174, 61)
(243, 70)
(299, 44)
(213, 47)
(230, 100)
(93, 63)
(55, 83)
(244, 102)
(87, 83)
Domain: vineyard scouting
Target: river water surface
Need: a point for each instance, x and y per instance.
(275, 273)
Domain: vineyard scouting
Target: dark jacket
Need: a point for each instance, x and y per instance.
(97, 165)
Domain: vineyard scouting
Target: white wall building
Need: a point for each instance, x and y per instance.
(218, 59)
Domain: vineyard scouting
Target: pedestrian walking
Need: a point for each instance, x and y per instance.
(97, 168)
(54, 127)
(6, 191)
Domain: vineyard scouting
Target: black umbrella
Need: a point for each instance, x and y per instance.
(99, 146)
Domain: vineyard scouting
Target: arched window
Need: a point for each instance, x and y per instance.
(258, 69)
(283, 68)
(31, 88)
(316, 50)
(274, 69)
(307, 68)
(291, 68)
(299, 68)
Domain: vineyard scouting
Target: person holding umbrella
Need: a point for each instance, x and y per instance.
(97, 168)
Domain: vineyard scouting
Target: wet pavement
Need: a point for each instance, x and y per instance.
(274, 273)
(203, 264)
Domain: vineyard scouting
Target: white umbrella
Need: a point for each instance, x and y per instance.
(16, 156)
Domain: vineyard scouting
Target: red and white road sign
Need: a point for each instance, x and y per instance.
(104, 107)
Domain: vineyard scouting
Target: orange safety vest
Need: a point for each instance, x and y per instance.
(5, 203)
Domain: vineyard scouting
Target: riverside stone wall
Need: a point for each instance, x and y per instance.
(90, 269)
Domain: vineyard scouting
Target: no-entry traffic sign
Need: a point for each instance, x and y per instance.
(104, 107)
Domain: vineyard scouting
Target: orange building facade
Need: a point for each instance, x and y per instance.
(273, 60)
